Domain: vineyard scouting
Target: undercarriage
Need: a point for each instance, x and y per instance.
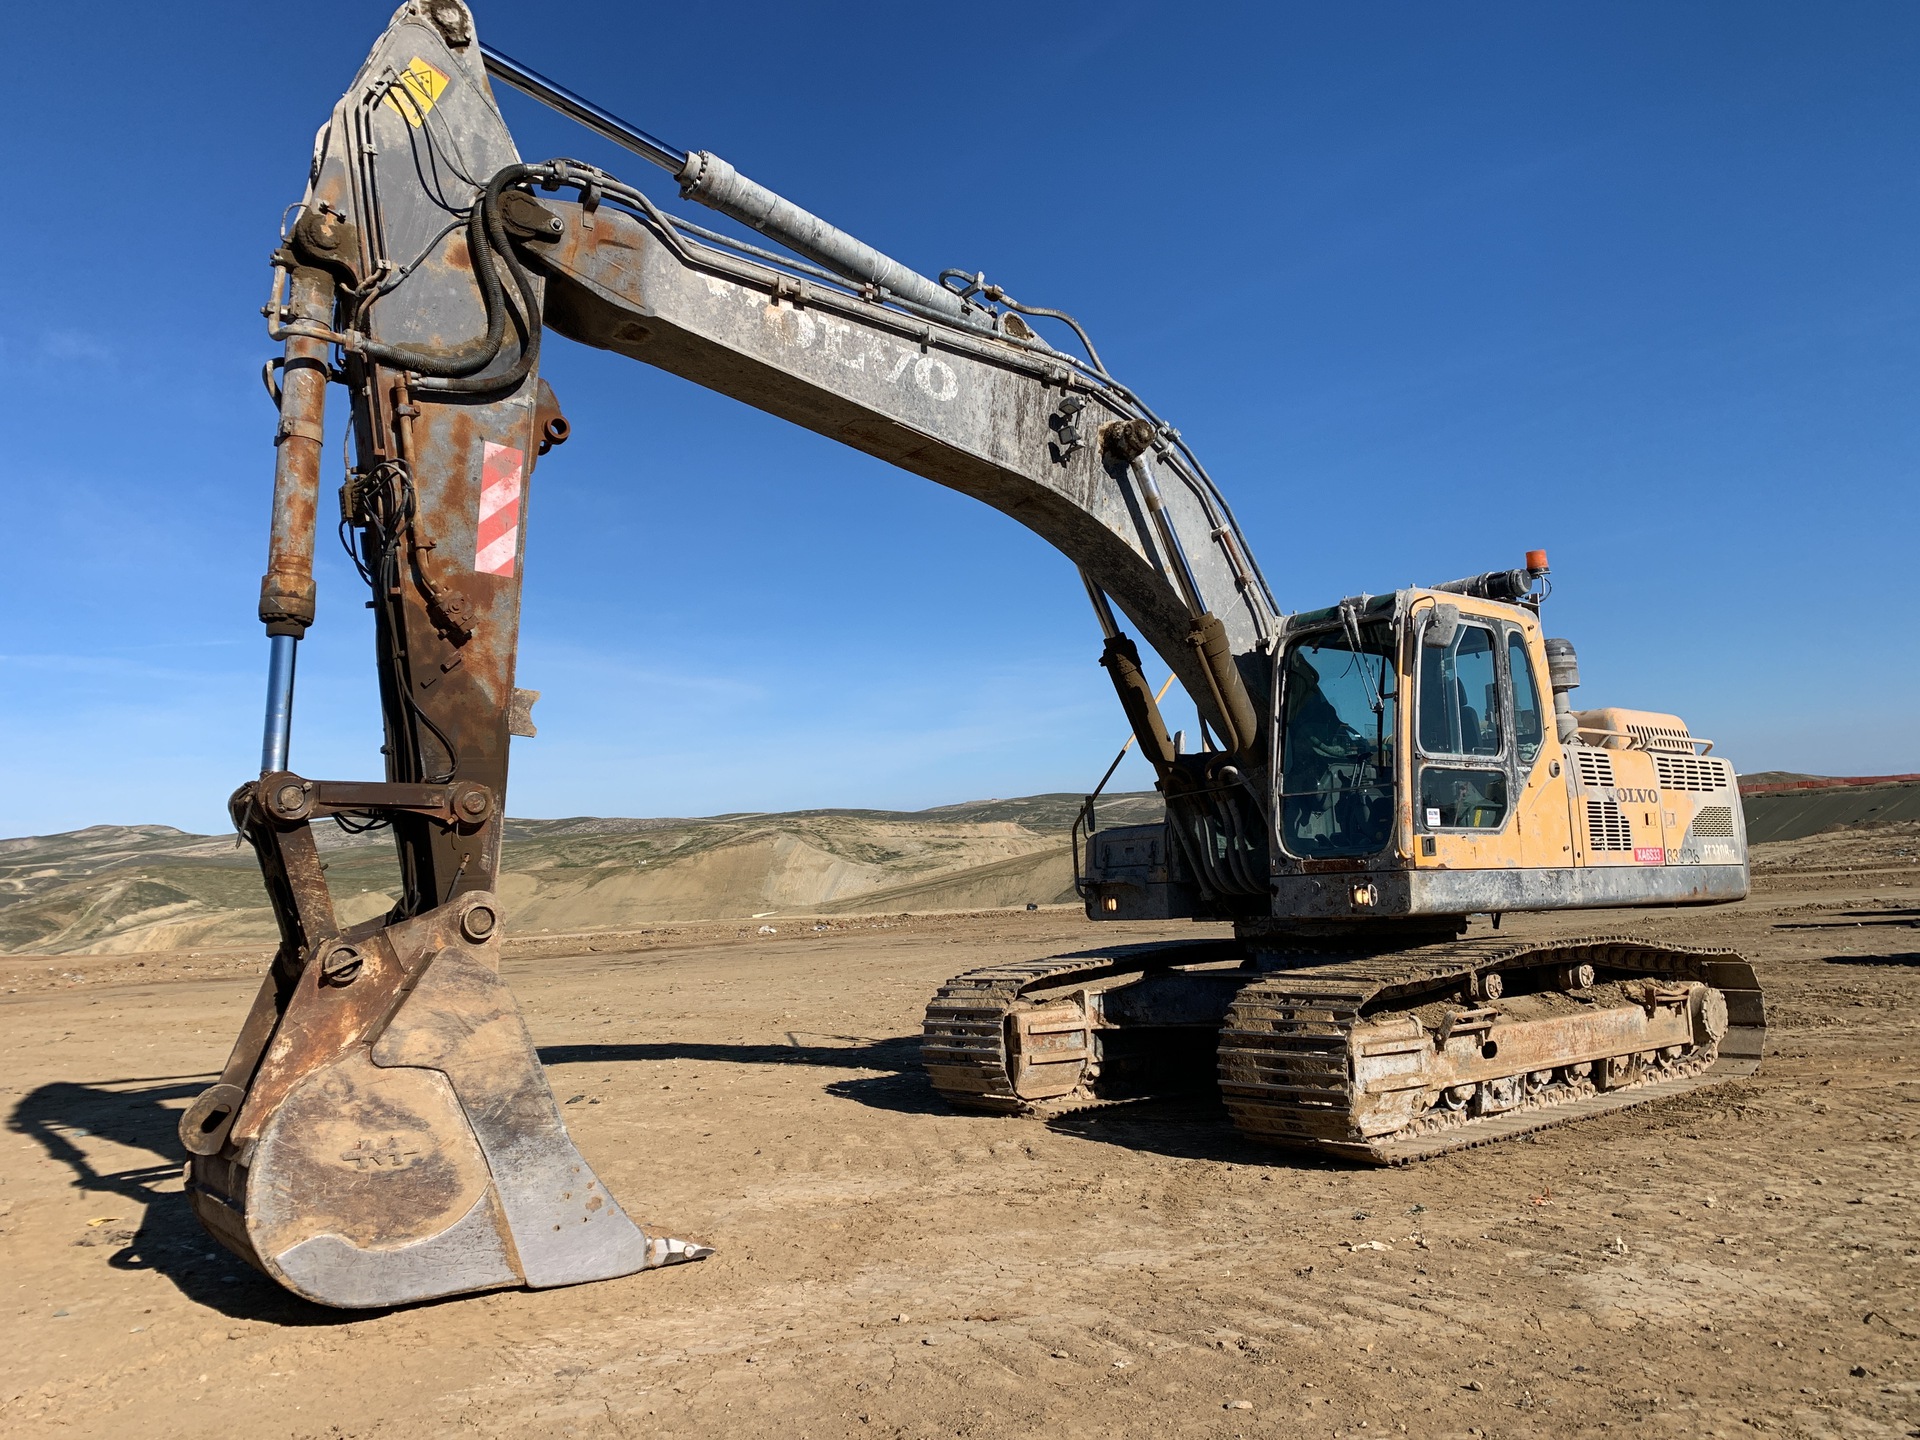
(1382, 1056)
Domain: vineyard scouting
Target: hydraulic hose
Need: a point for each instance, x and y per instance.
(458, 370)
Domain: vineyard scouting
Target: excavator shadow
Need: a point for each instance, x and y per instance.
(1183, 1127)
(1854, 920)
(902, 1086)
(68, 1120)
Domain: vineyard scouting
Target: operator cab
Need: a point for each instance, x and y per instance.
(1415, 773)
(1475, 720)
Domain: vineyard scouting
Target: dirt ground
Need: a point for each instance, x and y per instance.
(1743, 1260)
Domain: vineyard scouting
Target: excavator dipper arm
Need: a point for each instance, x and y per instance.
(383, 1131)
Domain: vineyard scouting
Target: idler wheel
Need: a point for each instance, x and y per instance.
(1709, 1007)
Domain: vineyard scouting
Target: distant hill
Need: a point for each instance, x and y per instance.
(1831, 803)
(123, 888)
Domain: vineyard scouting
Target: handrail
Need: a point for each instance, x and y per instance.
(1636, 742)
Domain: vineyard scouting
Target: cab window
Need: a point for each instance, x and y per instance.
(1337, 755)
(1453, 799)
(1460, 695)
(1528, 723)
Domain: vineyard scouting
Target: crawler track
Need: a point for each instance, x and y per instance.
(1288, 1055)
(1298, 1051)
(964, 1044)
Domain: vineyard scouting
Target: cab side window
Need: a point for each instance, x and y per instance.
(1460, 695)
(1461, 799)
(1529, 729)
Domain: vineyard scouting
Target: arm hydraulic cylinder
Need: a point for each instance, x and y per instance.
(705, 177)
(286, 590)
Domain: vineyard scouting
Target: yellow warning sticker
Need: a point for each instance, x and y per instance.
(413, 94)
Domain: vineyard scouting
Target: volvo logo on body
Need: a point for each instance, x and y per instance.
(846, 344)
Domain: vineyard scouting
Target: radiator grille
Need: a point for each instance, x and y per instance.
(1688, 772)
(1595, 767)
(1607, 828)
(1713, 822)
(1661, 737)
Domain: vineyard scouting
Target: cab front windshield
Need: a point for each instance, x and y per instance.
(1337, 758)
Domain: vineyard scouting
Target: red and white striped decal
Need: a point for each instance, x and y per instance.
(497, 538)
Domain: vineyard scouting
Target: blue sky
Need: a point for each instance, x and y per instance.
(1425, 286)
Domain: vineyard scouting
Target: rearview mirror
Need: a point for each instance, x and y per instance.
(1441, 624)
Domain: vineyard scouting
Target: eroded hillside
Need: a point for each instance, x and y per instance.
(120, 889)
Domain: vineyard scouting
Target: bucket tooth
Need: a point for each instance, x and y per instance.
(664, 1251)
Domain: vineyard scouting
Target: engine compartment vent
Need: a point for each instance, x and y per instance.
(1595, 768)
(1607, 827)
(1689, 772)
(1712, 822)
(1661, 737)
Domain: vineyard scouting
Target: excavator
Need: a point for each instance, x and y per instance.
(1368, 776)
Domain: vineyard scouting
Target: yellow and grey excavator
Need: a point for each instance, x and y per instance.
(1367, 777)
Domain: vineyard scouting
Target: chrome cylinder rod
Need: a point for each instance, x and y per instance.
(1102, 609)
(1183, 576)
(278, 734)
(577, 107)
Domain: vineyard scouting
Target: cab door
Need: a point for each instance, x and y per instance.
(1463, 786)
(1487, 793)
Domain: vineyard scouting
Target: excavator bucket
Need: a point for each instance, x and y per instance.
(398, 1140)
(384, 1132)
